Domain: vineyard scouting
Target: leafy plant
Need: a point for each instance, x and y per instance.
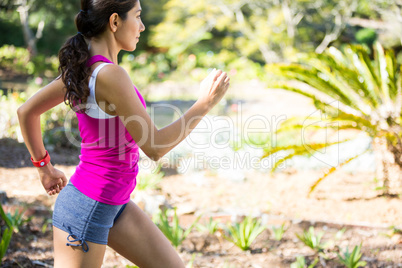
(354, 93)
(312, 240)
(5, 241)
(171, 229)
(147, 181)
(244, 233)
(16, 59)
(279, 231)
(9, 126)
(190, 263)
(16, 220)
(12, 223)
(301, 263)
(211, 226)
(46, 224)
(352, 260)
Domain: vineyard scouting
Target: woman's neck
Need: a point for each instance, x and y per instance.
(104, 45)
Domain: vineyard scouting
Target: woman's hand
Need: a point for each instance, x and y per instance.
(214, 87)
(53, 180)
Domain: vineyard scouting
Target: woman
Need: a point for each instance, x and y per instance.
(94, 209)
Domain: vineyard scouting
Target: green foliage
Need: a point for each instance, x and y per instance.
(16, 220)
(16, 59)
(301, 263)
(190, 263)
(149, 181)
(9, 103)
(332, 170)
(351, 90)
(46, 224)
(279, 231)
(352, 259)
(211, 226)
(12, 224)
(366, 36)
(56, 123)
(312, 240)
(146, 68)
(244, 233)
(59, 126)
(171, 229)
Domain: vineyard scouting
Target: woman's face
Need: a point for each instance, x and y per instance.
(129, 33)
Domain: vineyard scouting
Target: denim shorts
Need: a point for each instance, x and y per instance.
(83, 218)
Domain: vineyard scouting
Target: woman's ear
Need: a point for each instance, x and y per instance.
(114, 22)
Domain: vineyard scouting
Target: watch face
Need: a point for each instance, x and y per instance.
(42, 163)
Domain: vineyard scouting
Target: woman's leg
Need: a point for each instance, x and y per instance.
(138, 239)
(75, 257)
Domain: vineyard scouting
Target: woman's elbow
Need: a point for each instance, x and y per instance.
(153, 155)
(21, 111)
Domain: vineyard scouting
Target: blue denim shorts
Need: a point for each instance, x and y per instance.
(83, 218)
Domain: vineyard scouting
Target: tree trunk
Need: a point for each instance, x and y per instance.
(388, 172)
(29, 38)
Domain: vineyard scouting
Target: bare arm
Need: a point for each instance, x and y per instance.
(29, 118)
(116, 88)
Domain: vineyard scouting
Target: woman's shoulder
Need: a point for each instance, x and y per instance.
(112, 84)
(114, 76)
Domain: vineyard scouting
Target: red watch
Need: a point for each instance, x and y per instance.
(43, 162)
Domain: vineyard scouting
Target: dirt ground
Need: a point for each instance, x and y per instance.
(343, 200)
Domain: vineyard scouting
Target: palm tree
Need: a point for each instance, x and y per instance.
(356, 92)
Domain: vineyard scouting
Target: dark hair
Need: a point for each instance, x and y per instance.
(91, 21)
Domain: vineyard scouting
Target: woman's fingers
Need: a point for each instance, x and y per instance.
(63, 181)
(222, 78)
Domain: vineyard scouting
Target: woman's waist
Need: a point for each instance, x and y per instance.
(110, 155)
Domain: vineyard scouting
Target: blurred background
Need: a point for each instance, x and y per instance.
(317, 83)
(182, 38)
(185, 39)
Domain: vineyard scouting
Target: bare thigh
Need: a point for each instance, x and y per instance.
(138, 239)
(74, 257)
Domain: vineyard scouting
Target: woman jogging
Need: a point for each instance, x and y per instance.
(94, 209)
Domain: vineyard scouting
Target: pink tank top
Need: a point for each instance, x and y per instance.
(109, 156)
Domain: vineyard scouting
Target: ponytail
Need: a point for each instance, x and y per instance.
(73, 57)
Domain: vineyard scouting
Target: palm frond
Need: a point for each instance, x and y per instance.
(360, 60)
(293, 88)
(313, 77)
(381, 61)
(349, 76)
(332, 170)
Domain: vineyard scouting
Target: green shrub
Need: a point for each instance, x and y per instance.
(9, 103)
(353, 92)
(12, 224)
(244, 233)
(352, 260)
(149, 181)
(279, 231)
(171, 229)
(366, 36)
(211, 226)
(301, 263)
(16, 59)
(312, 240)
